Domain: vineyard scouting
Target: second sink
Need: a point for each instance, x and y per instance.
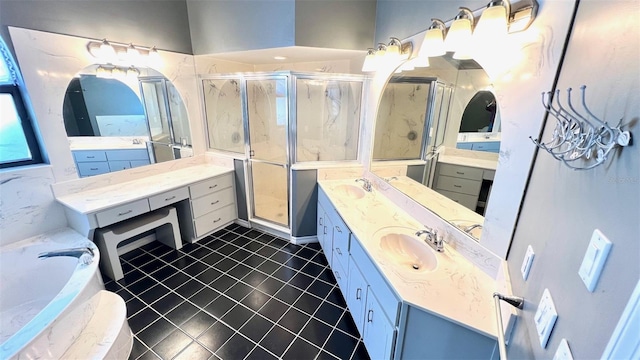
(401, 246)
(351, 191)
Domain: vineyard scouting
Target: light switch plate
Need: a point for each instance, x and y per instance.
(594, 259)
(545, 318)
(526, 263)
(563, 352)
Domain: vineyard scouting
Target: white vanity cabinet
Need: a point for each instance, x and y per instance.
(96, 162)
(211, 206)
(466, 185)
(373, 305)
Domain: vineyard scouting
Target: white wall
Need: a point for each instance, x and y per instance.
(562, 207)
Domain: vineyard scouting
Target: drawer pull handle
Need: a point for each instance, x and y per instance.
(170, 198)
(359, 294)
(215, 202)
(459, 172)
(338, 251)
(338, 228)
(94, 169)
(125, 213)
(320, 221)
(337, 275)
(457, 186)
(213, 186)
(370, 316)
(218, 219)
(91, 157)
(325, 230)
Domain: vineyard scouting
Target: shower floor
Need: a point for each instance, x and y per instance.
(271, 208)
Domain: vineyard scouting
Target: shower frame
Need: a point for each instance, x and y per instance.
(292, 164)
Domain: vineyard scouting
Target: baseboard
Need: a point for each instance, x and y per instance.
(244, 223)
(301, 240)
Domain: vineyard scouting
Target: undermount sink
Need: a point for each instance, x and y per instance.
(404, 248)
(351, 191)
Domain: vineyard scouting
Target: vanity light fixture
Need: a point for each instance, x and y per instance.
(107, 52)
(369, 64)
(433, 44)
(132, 73)
(393, 49)
(494, 22)
(103, 73)
(459, 35)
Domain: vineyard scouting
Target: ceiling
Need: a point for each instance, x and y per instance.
(291, 53)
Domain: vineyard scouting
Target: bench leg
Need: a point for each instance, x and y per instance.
(169, 234)
(109, 260)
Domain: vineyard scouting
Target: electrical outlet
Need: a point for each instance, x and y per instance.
(563, 352)
(594, 259)
(526, 263)
(545, 318)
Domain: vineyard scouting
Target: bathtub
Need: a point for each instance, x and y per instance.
(46, 304)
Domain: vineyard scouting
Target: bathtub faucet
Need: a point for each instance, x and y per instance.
(84, 254)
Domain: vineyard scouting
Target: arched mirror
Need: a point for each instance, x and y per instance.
(437, 139)
(119, 118)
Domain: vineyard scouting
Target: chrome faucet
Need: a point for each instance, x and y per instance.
(366, 184)
(435, 241)
(469, 228)
(84, 254)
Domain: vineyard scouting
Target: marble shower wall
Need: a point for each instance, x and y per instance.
(327, 119)
(400, 121)
(223, 113)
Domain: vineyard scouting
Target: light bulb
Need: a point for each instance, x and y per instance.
(459, 35)
(107, 52)
(133, 55)
(369, 64)
(492, 24)
(154, 57)
(433, 44)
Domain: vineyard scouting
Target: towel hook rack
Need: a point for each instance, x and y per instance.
(580, 135)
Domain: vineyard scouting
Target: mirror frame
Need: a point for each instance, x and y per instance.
(525, 64)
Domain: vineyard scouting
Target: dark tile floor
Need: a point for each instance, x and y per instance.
(237, 294)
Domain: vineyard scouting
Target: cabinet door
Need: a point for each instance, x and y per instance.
(356, 295)
(379, 333)
(325, 233)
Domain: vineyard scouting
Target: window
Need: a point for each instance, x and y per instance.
(18, 144)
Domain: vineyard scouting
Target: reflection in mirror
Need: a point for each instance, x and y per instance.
(118, 121)
(437, 138)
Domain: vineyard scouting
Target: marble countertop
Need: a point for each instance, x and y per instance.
(469, 161)
(436, 202)
(94, 200)
(455, 290)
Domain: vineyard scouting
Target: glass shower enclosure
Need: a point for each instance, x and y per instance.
(274, 120)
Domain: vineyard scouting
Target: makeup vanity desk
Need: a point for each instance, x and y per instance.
(203, 194)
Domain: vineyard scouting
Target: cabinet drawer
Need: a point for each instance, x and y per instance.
(169, 197)
(468, 201)
(210, 186)
(122, 212)
(136, 163)
(211, 202)
(128, 154)
(493, 146)
(388, 300)
(89, 155)
(460, 171)
(341, 245)
(93, 168)
(213, 220)
(463, 186)
(342, 277)
(119, 165)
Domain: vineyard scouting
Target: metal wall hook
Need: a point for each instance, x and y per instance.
(579, 135)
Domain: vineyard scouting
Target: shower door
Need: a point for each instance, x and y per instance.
(268, 118)
(156, 108)
(438, 114)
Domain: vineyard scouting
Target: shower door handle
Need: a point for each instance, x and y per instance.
(252, 153)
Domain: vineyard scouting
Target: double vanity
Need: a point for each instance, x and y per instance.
(407, 299)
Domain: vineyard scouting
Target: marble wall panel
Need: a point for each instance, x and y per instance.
(400, 122)
(223, 113)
